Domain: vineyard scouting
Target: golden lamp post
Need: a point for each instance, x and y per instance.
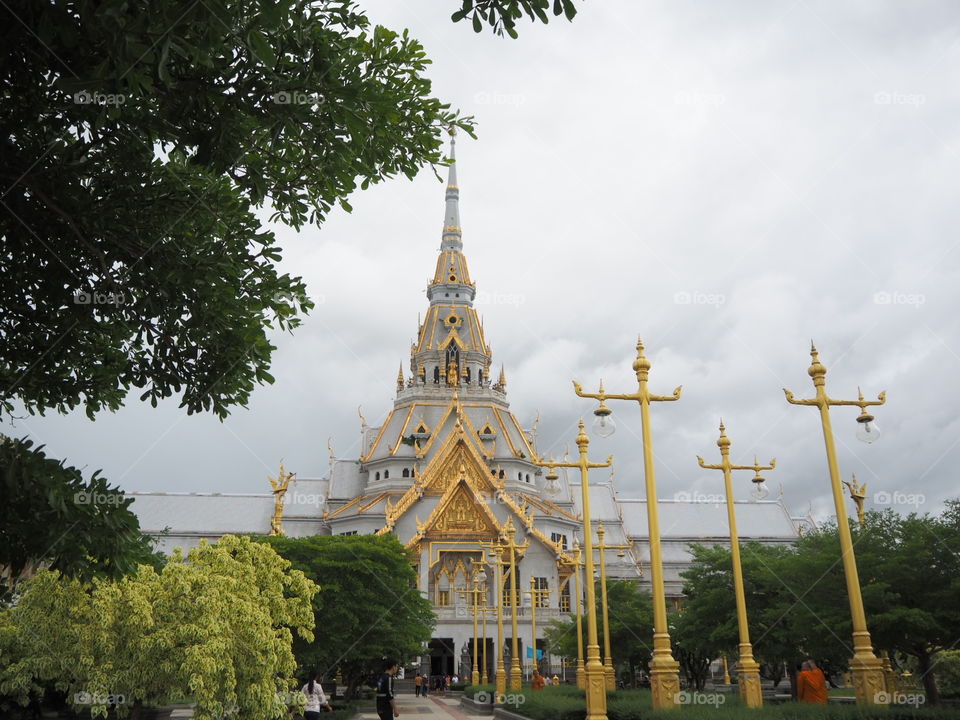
(748, 669)
(581, 683)
(535, 597)
(596, 693)
(483, 670)
(474, 593)
(867, 669)
(609, 674)
(497, 560)
(516, 671)
(664, 669)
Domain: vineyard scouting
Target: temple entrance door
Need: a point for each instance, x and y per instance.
(441, 656)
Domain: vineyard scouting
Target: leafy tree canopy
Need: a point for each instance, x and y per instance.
(502, 15)
(797, 603)
(140, 139)
(631, 626)
(51, 515)
(217, 625)
(368, 606)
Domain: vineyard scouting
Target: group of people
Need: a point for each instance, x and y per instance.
(539, 681)
(422, 684)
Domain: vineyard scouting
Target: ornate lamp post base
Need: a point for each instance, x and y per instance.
(868, 677)
(609, 677)
(581, 677)
(475, 677)
(596, 689)
(748, 677)
(889, 676)
(664, 681)
(501, 678)
(516, 678)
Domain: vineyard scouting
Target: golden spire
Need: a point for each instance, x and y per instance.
(279, 486)
(400, 378)
(502, 382)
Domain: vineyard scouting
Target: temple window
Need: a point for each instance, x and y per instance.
(377, 476)
(542, 598)
(386, 474)
(406, 472)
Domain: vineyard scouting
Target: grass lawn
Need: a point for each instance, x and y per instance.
(567, 703)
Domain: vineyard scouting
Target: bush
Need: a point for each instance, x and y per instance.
(948, 673)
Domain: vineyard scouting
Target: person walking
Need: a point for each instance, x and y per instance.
(386, 702)
(417, 684)
(316, 698)
(811, 684)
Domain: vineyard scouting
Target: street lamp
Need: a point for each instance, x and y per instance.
(596, 694)
(581, 681)
(610, 676)
(497, 549)
(603, 424)
(867, 429)
(866, 667)
(748, 670)
(664, 669)
(516, 672)
(535, 595)
(551, 485)
(475, 672)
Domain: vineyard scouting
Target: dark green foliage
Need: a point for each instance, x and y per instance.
(368, 606)
(50, 514)
(631, 626)
(502, 15)
(139, 140)
(797, 605)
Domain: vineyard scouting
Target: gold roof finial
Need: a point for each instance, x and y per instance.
(400, 377)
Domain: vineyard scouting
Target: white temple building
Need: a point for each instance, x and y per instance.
(450, 471)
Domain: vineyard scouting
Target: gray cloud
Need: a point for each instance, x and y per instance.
(728, 180)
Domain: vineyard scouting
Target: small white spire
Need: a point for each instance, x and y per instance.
(451, 221)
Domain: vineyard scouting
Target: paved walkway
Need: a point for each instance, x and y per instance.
(431, 707)
(411, 707)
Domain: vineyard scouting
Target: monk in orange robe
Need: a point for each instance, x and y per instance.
(811, 684)
(538, 681)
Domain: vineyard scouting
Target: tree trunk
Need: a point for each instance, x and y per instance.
(929, 679)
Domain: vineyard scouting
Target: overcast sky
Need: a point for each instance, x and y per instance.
(728, 179)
